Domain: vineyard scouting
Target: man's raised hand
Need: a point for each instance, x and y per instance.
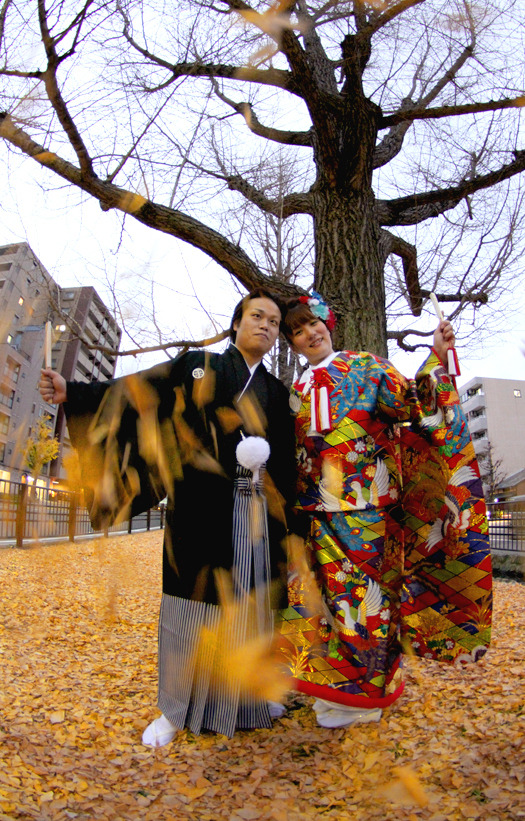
(52, 387)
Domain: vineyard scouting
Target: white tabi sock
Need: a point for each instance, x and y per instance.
(342, 716)
(159, 732)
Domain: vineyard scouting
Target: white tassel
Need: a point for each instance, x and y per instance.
(319, 409)
(252, 453)
(324, 408)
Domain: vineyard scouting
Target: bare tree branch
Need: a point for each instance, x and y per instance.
(390, 145)
(450, 111)
(246, 110)
(290, 204)
(53, 91)
(3, 14)
(401, 121)
(382, 19)
(415, 208)
(401, 336)
(408, 254)
(184, 344)
(267, 76)
(164, 219)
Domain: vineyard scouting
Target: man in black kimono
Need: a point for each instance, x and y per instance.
(174, 430)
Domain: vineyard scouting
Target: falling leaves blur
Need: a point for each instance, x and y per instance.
(272, 22)
(78, 630)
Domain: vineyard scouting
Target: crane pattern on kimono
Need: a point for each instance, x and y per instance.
(369, 606)
(456, 510)
(365, 498)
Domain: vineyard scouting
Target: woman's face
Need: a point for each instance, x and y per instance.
(312, 339)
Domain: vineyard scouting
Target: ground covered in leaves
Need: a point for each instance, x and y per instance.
(78, 665)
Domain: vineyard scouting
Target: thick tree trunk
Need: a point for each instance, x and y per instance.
(349, 268)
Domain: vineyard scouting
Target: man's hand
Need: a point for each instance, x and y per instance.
(444, 339)
(52, 387)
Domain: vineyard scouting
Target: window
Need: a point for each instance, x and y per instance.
(5, 266)
(475, 414)
(14, 341)
(21, 300)
(2, 452)
(12, 370)
(68, 295)
(480, 434)
(477, 389)
(517, 394)
(4, 423)
(6, 397)
(2, 283)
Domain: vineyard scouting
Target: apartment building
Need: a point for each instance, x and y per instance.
(495, 410)
(29, 297)
(88, 322)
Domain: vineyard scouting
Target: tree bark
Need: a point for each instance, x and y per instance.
(349, 268)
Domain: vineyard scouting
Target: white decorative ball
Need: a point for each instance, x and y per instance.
(252, 452)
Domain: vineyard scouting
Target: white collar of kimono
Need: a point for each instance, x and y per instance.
(251, 368)
(308, 375)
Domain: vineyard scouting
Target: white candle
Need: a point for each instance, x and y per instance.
(451, 360)
(47, 344)
(437, 309)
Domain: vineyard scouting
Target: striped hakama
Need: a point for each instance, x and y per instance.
(194, 689)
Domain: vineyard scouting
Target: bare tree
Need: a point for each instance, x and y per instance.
(492, 472)
(403, 116)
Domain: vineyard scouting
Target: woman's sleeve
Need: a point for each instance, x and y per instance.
(446, 607)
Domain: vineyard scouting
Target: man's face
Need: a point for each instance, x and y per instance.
(257, 329)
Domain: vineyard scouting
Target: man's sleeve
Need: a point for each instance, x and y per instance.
(124, 435)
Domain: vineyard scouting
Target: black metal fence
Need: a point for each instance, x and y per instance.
(28, 512)
(507, 526)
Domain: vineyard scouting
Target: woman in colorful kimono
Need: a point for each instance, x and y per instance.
(398, 540)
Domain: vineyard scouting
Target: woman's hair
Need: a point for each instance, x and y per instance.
(295, 314)
(257, 293)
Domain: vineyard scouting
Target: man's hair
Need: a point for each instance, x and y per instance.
(257, 293)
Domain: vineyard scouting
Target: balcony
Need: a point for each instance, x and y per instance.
(476, 402)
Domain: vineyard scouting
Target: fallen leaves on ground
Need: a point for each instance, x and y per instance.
(78, 664)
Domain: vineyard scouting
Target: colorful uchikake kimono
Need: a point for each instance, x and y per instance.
(399, 536)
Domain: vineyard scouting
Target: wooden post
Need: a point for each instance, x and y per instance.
(72, 522)
(148, 519)
(21, 514)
